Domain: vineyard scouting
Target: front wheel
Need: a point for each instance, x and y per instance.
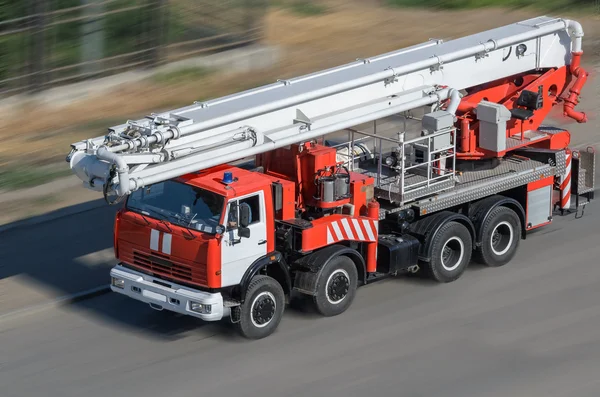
(261, 312)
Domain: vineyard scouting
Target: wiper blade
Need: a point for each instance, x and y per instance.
(192, 235)
(162, 217)
(143, 217)
(164, 222)
(181, 222)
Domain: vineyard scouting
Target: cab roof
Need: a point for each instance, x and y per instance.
(244, 181)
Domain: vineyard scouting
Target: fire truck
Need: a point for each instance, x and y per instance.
(418, 160)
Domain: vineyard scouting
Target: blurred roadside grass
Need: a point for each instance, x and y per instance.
(301, 7)
(181, 75)
(465, 4)
(19, 177)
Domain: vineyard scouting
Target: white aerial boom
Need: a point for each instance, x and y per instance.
(167, 145)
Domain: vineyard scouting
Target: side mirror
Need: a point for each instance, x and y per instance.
(244, 216)
(244, 232)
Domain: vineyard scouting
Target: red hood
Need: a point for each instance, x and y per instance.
(143, 242)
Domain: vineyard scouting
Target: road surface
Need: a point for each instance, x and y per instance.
(530, 328)
(56, 258)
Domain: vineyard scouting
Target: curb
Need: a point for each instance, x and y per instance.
(61, 301)
(60, 213)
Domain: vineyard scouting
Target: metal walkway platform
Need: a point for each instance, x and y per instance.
(473, 185)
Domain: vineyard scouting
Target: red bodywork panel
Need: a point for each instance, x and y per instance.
(362, 188)
(211, 179)
(198, 260)
(191, 260)
(506, 92)
(335, 228)
(542, 182)
(288, 203)
(302, 163)
(195, 261)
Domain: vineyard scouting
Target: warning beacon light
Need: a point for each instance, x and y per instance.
(227, 177)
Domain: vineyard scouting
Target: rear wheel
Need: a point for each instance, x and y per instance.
(261, 312)
(336, 286)
(451, 252)
(501, 235)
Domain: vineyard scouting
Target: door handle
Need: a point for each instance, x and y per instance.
(261, 242)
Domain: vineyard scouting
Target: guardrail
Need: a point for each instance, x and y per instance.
(416, 168)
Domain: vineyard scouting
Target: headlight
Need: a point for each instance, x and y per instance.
(117, 282)
(200, 308)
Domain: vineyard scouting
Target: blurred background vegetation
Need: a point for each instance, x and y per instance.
(52, 43)
(44, 43)
(460, 4)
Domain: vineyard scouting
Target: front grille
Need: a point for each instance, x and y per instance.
(166, 267)
(162, 266)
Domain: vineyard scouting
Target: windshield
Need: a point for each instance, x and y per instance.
(180, 204)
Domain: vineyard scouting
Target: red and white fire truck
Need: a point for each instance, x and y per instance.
(415, 160)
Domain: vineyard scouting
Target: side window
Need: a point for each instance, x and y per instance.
(254, 203)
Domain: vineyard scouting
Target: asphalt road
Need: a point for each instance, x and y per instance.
(56, 258)
(530, 328)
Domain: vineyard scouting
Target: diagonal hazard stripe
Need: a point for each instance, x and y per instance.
(358, 229)
(347, 229)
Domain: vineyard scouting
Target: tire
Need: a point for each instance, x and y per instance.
(261, 312)
(451, 253)
(336, 286)
(500, 238)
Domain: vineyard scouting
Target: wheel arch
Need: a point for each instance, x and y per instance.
(481, 211)
(272, 265)
(427, 228)
(311, 266)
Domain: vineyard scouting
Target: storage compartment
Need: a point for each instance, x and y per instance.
(539, 207)
(396, 253)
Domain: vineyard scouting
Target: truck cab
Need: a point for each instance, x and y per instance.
(184, 244)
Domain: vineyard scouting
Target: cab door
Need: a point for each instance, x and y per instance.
(243, 245)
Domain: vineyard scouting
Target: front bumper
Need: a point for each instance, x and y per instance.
(177, 298)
